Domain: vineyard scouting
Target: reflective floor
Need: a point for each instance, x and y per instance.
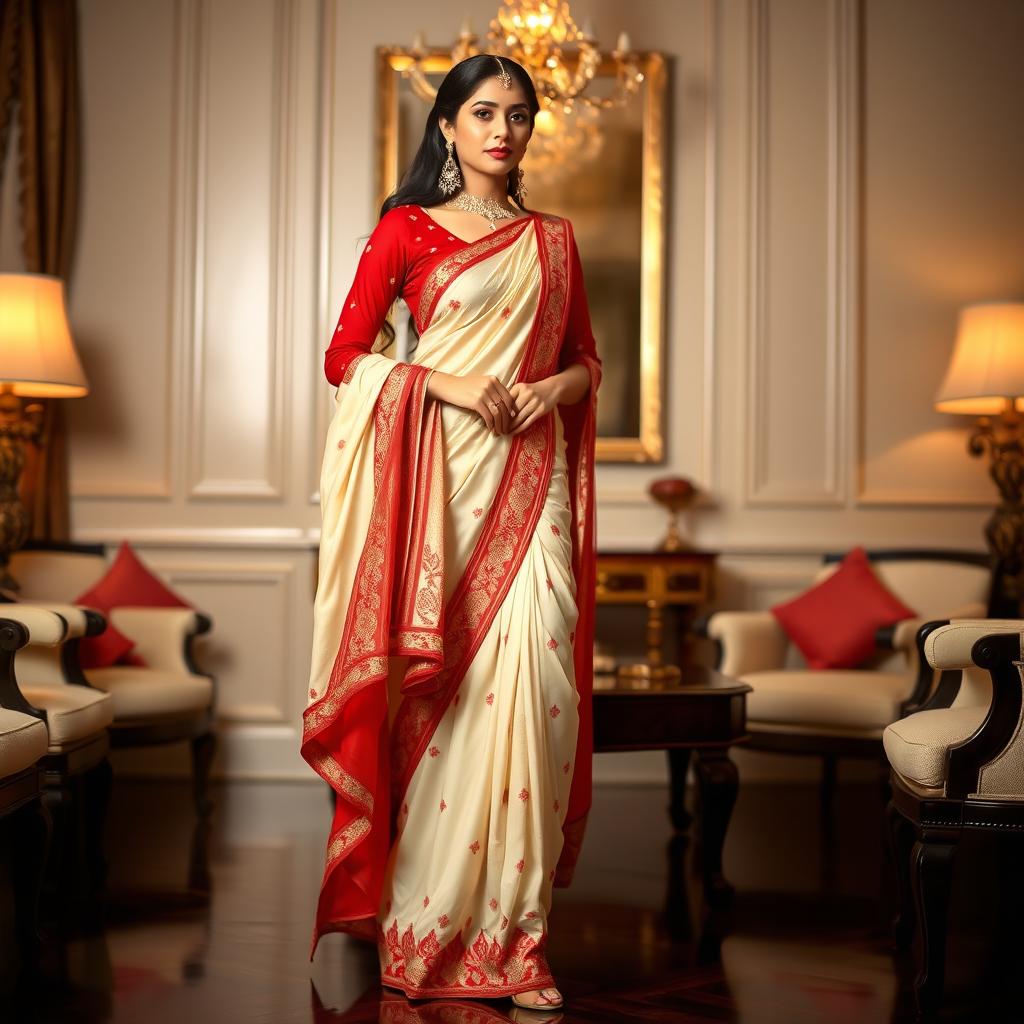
(630, 939)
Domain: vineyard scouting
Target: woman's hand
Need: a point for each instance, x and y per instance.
(535, 400)
(483, 394)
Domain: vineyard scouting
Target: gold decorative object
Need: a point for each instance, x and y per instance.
(562, 59)
(37, 360)
(985, 378)
(675, 493)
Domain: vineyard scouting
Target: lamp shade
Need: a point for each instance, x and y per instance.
(987, 367)
(37, 356)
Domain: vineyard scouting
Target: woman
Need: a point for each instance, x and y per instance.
(449, 698)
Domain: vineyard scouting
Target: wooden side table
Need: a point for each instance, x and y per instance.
(705, 714)
(684, 580)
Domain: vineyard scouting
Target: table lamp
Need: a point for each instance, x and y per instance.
(37, 360)
(986, 379)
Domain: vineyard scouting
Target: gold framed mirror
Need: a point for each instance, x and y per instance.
(616, 203)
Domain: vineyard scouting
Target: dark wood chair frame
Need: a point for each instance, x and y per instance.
(198, 729)
(924, 830)
(833, 748)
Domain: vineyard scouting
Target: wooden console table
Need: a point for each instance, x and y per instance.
(681, 579)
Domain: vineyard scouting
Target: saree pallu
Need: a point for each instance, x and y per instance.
(451, 678)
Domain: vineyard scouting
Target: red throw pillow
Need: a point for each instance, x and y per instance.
(127, 582)
(834, 622)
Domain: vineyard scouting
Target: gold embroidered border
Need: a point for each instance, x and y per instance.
(449, 268)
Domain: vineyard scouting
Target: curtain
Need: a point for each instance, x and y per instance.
(39, 77)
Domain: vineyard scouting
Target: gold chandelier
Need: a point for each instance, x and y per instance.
(562, 59)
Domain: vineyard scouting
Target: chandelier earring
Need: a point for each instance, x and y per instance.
(450, 180)
(521, 188)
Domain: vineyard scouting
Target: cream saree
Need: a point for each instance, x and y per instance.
(449, 693)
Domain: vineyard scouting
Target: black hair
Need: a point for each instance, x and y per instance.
(419, 186)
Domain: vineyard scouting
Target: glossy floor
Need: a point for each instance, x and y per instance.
(630, 940)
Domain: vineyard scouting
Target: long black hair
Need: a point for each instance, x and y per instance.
(419, 186)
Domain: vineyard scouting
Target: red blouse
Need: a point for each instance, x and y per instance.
(403, 249)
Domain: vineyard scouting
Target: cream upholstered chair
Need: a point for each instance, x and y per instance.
(957, 765)
(74, 767)
(170, 700)
(24, 823)
(836, 713)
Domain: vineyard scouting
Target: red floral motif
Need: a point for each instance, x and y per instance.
(434, 751)
(443, 920)
(478, 512)
(454, 303)
(489, 698)
(506, 312)
(524, 794)
(426, 901)
(474, 846)
(531, 913)
(520, 864)
(555, 530)
(312, 693)
(443, 805)
(492, 903)
(551, 585)
(341, 444)
(552, 643)
(487, 967)
(554, 711)
(565, 767)
(504, 921)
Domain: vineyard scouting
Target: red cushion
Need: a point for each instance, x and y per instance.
(834, 622)
(126, 582)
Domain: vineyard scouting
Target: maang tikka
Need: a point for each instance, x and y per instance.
(450, 180)
(503, 76)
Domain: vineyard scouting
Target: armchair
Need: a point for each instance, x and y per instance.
(957, 765)
(170, 700)
(74, 768)
(839, 713)
(24, 823)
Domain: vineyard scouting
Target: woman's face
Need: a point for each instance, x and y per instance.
(492, 128)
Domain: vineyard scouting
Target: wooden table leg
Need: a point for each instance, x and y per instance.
(719, 784)
(678, 766)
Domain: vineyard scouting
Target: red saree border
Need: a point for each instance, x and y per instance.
(344, 730)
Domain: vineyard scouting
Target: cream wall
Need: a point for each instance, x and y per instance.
(843, 175)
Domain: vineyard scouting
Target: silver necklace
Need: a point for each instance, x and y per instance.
(490, 209)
